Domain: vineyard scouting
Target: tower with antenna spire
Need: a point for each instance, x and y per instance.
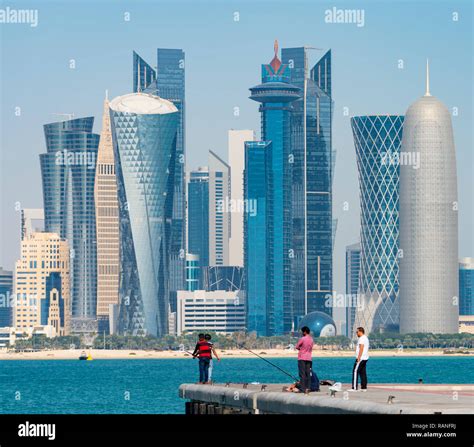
(275, 95)
(428, 220)
(427, 92)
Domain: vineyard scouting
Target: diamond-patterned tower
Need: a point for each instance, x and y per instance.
(377, 141)
(144, 134)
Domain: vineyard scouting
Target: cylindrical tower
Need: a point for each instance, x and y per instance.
(428, 220)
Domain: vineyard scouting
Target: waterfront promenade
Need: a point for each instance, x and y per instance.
(379, 399)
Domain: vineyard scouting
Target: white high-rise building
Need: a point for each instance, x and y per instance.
(428, 220)
(219, 223)
(236, 157)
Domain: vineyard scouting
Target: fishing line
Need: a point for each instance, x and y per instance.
(268, 361)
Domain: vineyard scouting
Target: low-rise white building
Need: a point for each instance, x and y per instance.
(217, 311)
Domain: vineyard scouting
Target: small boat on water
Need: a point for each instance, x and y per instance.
(85, 356)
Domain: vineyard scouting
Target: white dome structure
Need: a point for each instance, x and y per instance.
(142, 104)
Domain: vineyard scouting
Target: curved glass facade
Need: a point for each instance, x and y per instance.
(68, 175)
(377, 141)
(145, 151)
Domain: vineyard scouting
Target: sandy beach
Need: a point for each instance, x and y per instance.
(236, 353)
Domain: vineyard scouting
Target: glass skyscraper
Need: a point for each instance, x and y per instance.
(143, 74)
(144, 130)
(466, 286)
(198, 215)
(255, 237)
(6, 290)
(275, 95)
(312, 172)
(168, 82)
(68, 175)
(377, 141)
(352, 286)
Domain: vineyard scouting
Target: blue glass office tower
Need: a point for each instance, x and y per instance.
(255, 237)
(6, 290)
(168, 82)
(68, 175)
(198, 215)
(275, 95)
(144, 129)
(466, 286)
(377, 141)
(352, 286)
(312, 172)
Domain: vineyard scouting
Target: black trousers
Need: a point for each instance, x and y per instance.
(304, 370)
(359, 370)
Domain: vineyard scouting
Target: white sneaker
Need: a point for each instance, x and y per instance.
(364, 390)
(352, 390)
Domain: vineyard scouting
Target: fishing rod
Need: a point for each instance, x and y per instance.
(268, 361)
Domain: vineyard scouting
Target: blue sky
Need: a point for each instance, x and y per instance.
(223, 58)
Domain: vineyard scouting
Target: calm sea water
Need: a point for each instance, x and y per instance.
(102, 386)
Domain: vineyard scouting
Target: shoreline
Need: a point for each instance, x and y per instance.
(122, 354)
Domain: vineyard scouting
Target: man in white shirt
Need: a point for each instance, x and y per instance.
(362, 356)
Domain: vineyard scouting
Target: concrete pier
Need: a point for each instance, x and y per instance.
(379, 399)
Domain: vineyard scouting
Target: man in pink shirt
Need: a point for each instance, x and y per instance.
(305, 359)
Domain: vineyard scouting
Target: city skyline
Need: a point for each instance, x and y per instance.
(215, 208)
(416, 70)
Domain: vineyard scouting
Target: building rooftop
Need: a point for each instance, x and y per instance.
(142, 104)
